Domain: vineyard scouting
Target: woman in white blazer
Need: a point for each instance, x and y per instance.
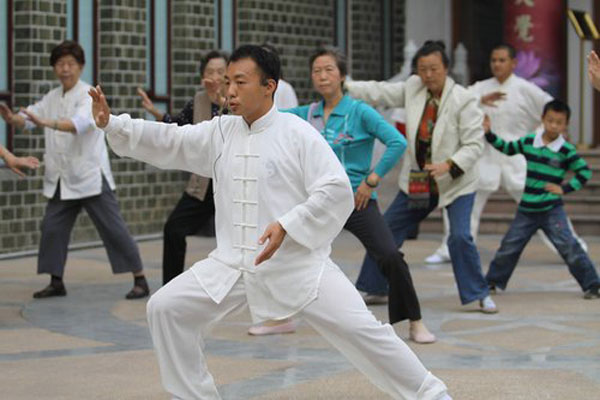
(445, 140)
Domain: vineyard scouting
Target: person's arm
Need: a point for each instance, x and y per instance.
(388, 94)
(594, 69)
(16, 163)
(469, 124)
(168, 146)
(11, 118)
(535, 99)
(508, 148)
(582, 172)
(322, 216)
(65, 125)
(149, 105)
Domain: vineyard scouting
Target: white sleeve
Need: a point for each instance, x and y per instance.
(189, 148)
(330, 201)
(388, 94)
(38, 109)
(83, 118)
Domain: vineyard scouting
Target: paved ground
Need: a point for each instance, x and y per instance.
(544, 344)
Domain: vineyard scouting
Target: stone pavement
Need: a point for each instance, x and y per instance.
(93, 344)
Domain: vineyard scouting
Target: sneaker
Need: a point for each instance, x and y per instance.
(592, 293)
(50, 291)
(487, 305)
(375, 299)
(435, 258)
(267, 328)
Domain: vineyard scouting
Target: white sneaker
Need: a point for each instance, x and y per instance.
(487, 305)
(436, 258)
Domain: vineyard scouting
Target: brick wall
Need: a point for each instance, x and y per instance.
(193, 35)
(146, 195)
(295, 28)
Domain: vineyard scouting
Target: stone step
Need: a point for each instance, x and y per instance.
(592, 157)
(580, 205)
(498, 223)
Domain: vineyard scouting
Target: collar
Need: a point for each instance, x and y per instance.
(507, 81)
(263, 122)
(341, 109)
(71, 91)
(554, 145)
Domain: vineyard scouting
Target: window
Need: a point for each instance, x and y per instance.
(341, 25)
(6, 26)
(82, 27)
(225, 24)
(158, 50)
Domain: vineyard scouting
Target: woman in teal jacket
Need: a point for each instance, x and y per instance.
(351, 127)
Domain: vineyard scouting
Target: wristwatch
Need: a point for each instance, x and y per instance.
(369, 184)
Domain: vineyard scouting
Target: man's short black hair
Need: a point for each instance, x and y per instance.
(430, 47)
(67, 48)
(512, 52)
(268, 62)
(211, 55)
(558, 106)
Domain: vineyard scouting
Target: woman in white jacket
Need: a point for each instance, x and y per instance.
(445, 140)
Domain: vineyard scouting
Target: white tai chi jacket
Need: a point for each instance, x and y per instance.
(78, 160)
(517, 115)
(457, 135)
(277, 169)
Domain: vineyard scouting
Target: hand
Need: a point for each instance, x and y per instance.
(275, 233)
(437, 170)
(146, 102)
(487, 125)
(491, 98)
(215, 89)
(364, 191)
(553, 188)
(6, 113)
(100, 108)
(594, 69)
(16, 163)
(35, 119)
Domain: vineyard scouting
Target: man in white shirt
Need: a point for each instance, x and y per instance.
(77, 175)
(281, 197)
(514, 106)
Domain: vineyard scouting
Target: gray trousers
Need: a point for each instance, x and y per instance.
(103, 209)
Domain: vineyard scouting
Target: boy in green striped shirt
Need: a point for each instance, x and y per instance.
(548, 156)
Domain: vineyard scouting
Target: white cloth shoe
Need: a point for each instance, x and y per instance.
(487, 305)
(436, 258)
(263, 329)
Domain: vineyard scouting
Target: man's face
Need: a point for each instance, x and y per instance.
(432, 72)
(555, 123)
(247, 95)
(215, 70)
(67, 71)
(501, 64)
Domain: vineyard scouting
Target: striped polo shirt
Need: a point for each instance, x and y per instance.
(546, 163)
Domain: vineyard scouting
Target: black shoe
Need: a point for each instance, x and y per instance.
(50, 291)
(592, 293)
(140, 290)
(492, 288)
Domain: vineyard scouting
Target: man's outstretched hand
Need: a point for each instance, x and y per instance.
(100, 108)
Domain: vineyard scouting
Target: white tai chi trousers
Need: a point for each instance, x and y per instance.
(181, 313)
(481, 198)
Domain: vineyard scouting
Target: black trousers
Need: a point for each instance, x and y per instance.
(103, 210)
(189, 215)
(370, 228)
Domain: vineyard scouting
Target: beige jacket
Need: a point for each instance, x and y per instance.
(458, 132)
(198, 185)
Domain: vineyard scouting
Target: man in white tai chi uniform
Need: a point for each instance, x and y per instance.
(281, 197)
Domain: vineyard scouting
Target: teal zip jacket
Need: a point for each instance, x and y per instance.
(351, 130)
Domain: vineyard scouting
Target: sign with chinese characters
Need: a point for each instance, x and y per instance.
(536, 29)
